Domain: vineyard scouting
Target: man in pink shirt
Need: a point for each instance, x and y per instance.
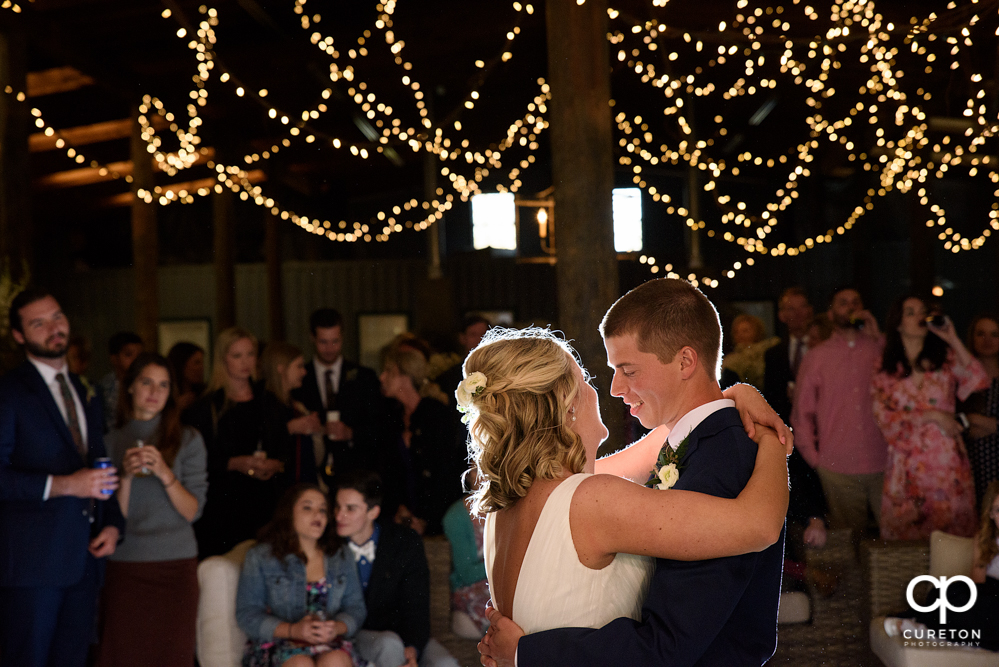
(833, 417)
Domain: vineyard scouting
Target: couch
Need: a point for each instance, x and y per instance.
(890, 567)
(220, 642)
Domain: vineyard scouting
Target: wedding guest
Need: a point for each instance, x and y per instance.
(58, 517)
(299, 597)
(345, 396)
(419, 435)
(782, 361)
(833, 420)
(78, 355)
(284, 367)
(469, 586)
(188, 363)
(123, 348)
(982, 408)
(246, 451)
(820, 329)
(392, 566)
(746, 359)
(470, 333)
(163, 487)
(924, 369)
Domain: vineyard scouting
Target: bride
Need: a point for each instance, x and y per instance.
(565, 547)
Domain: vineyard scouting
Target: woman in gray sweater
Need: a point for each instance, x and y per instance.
(151, 592)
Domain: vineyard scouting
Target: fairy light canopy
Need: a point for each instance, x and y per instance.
(331, 115)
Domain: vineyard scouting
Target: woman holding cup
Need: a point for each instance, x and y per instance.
(925, 368)
(163, 488)
(247, 448)
(284, 367)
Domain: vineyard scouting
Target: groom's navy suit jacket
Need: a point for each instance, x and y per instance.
(720, 612)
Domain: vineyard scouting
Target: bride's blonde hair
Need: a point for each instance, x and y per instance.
(519, 424)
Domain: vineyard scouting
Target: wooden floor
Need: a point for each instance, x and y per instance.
(836, 637)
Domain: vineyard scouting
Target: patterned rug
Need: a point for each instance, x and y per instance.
(836, 637)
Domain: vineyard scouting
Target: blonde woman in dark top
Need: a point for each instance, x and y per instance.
(247, 448)
(163, 489)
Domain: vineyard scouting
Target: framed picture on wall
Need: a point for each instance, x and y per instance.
(198, 332)
(375, 331)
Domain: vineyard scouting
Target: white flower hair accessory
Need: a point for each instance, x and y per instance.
(468, 389)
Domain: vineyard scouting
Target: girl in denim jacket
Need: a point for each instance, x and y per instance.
(299, 596)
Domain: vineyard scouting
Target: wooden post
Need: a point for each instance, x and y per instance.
(15, 126)
(225, 260)
(583, 170)
(145, 241)
(275, 295)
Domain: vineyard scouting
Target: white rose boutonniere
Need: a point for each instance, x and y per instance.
(468, 389)
(668, 476)
(667, 470)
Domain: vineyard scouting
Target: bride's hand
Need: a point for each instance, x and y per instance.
(754, 409)
(499, 647)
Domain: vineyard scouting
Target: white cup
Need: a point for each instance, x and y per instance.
(333, 416)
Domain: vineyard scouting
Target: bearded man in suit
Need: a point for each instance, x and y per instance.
(58, 517)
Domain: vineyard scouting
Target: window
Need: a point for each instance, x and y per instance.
(494, 223)
(627, 207)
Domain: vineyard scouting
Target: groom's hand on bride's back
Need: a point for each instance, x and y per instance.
(754, 409)
(499, 647)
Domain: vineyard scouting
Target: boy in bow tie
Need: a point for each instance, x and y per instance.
(394, 574)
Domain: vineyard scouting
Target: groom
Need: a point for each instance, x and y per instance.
(663, 341)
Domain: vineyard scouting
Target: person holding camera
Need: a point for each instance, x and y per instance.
(924, 369)
(834, 425)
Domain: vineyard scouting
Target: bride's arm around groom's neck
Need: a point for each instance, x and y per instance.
(635, 461)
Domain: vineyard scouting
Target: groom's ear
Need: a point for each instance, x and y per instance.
(688, 362)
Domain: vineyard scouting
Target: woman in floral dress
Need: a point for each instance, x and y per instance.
(928, 483)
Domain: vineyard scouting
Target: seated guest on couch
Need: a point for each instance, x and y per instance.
(395, 576)
(299, 597)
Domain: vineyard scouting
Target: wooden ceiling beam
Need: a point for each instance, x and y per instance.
(89, 175)
(126, 198)
(56, 80)
(89, 134)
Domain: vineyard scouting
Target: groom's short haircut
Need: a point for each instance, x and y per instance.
(666, 315)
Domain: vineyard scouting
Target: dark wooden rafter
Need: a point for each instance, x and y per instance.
(125, 198)
(83, 135)
(89, 175)
(56, 80)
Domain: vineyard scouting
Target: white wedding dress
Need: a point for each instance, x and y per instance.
(554, 589)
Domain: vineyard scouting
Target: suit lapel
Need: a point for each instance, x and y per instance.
(95, 427)
(35, 383)
(383, 556)
(343, 376)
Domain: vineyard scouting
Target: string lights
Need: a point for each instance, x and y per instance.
(902, 158)
(761, 50)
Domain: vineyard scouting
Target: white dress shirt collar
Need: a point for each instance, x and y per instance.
(49, 374)
(692, 419)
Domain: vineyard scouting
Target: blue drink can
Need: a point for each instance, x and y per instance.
(102, 463)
